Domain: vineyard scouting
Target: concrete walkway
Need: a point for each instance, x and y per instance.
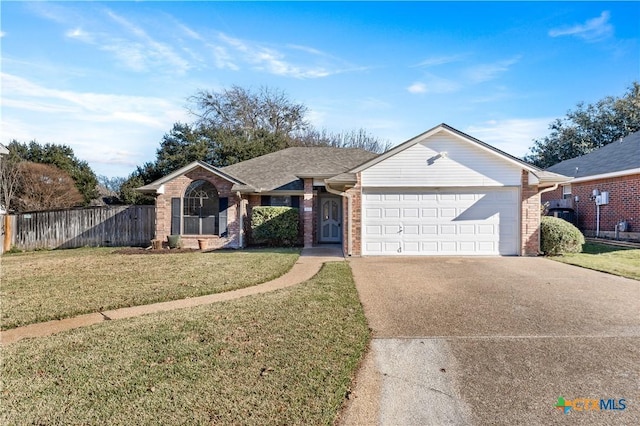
(308, 264)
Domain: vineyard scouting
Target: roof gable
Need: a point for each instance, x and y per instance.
(155, 185)
(456, 133)
(489, 151)
(614, 157)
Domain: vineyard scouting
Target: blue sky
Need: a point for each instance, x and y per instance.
(110, 78)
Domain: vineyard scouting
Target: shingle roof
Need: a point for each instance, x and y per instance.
(614, 157)
(282, 170)
(155, 185)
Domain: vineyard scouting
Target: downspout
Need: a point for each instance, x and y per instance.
(349, 214)
(240, 220)
(551, 188)
(597, 219)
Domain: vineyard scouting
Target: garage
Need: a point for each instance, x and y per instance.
(428, 221)
(443, 193)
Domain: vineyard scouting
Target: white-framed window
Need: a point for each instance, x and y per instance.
(566, 192)
(200, 211)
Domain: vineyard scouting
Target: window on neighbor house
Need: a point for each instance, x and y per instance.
(566, 192)
(200, 211)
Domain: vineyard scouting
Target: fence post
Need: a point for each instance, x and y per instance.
(7, 233)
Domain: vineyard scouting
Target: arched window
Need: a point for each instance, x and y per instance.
(200, 208)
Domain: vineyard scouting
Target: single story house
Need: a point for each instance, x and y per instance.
(440, 193)
(613, 169)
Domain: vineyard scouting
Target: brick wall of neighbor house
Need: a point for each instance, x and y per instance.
(624, 204)
(556, 194)
(530, 217)
(356, 219)
(176, 188)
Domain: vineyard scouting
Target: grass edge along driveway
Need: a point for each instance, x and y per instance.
(285, 357)
(48, 285)
(614, 260)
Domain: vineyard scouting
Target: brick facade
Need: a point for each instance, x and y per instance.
(529, 217)
(624, 204)
(530, 212)
(176, 189)
(308, 213)
(356, 219)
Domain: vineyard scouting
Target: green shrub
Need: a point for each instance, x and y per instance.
(557, 236)
(274, 226)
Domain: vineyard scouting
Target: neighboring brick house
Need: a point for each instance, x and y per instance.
(613, 169)
(440, 193)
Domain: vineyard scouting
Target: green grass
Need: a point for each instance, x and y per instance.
(45, 285)
(285, 357)
(601, 257)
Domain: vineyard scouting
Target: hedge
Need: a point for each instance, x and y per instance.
(275, 226)
(557, 236)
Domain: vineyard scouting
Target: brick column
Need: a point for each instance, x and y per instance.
(356, 217)
(530, 218)
(307, 215)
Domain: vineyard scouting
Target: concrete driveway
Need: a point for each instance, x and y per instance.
(495, 341)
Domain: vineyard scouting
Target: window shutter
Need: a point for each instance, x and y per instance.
(265, 200)
(175, 216)
(222, 216)
(295, 202)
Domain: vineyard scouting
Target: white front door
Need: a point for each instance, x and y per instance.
(330, 222)
(457, 221)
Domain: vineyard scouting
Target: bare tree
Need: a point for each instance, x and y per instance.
(9, 177)
(240, 110)
(45, 187)
(346, 139)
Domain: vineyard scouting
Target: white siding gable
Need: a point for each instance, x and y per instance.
(442, 160)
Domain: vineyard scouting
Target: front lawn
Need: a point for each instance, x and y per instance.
(285, 357)
(45, 285)
(601, 257)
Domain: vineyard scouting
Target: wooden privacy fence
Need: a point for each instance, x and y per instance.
(117, 226)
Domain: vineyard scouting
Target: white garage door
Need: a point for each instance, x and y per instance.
(443, 222)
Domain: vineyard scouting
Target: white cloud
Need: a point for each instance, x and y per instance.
(592, 30)
(99, 127)
(433, 84)
(148, 51)
(278, 61)
(132, 46)
(513, 136)
(307, 49)
(417, 88)
(441, 60)
(21, 93)
(2, 34)
(486, 72)
(189, 32)
(81, 35)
